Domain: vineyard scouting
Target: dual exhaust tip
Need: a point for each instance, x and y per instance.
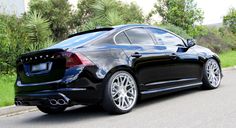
(18, 103)
(52, 102)
(62, 101)
(58, 102)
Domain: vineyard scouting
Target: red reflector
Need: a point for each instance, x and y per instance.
(74, 59)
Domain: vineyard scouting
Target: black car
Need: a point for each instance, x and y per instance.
(114, 67)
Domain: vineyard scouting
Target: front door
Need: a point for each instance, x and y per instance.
(186, 67)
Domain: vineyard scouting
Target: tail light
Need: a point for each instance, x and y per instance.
(74, 59)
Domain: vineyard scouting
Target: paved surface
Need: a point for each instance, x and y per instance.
(187, 109)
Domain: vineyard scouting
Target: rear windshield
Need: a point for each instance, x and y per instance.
(78, 40)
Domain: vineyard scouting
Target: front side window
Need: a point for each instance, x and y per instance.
(165, 38)
(139, 36)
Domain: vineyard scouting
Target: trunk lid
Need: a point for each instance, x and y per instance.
(41, 66)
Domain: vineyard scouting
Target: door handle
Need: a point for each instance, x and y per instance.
(136, 54)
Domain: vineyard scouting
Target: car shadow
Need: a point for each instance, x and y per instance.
(80, 113)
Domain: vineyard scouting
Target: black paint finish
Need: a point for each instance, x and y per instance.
(157, 68)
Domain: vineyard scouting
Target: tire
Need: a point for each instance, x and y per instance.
(120, 94)
(211, 74)
(52, 109)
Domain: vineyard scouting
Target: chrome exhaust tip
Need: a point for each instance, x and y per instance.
(61, 102)
(18, 103)
(53, 102)
(65, 98)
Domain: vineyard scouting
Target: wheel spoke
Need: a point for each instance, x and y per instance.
(213, 73)
(123, 91)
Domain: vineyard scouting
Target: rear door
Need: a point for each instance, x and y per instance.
(148, 60)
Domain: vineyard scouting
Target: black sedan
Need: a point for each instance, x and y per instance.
(113, 67)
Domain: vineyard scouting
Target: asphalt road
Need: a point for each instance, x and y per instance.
(186, 109)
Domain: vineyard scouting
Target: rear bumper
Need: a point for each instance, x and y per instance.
(80, 85)
(79, 91)
(72, 96)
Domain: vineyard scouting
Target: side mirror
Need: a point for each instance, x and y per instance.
(191, 43)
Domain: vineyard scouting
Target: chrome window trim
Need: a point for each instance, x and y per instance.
(184, 41)
(145, 27)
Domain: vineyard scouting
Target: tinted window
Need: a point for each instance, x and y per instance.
(166, 38)
(139, 36)
(122, 39)
(77, 41)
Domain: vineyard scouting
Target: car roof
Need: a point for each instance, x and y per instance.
(131, 25)
(117, 27)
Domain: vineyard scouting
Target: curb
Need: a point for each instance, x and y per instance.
(229, 68)
(16, 110)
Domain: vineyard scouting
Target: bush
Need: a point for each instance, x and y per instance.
(229, 37)
(13, 40)
(218, 41)
(20, 35)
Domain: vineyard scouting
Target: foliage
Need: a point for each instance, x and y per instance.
(132, 13)
(13, 40)
(229, 37)
(218, 40)
(20, 35)
(58, 13)
(230, 20)
(55, 19)
(49, 20)
(107, 13)
(181, 13)
(38, 31)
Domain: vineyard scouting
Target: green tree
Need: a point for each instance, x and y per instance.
(107, 13)
(230, 20)
(38, 31)
(132, 13)
(13, 41)
(181, 13)
(84, 12)
(58, 13)
(20, 35)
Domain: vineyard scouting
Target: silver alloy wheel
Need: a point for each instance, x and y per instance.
(124, 91)
(213, 73)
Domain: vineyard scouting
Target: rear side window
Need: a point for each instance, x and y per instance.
(121, 38)
(166, 38)
(139, 36)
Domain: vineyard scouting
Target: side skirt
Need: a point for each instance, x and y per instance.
(171, 89)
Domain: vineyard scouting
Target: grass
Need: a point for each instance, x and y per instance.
(7, 81)
(7, 90)
(228, 59)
